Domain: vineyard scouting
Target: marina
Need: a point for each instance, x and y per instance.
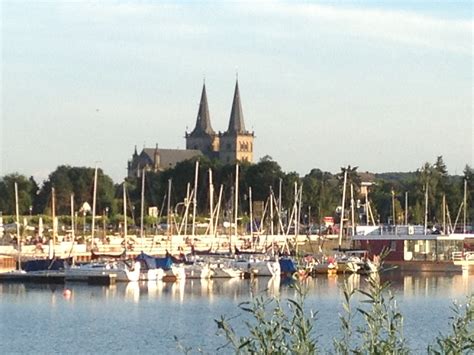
(275, 177)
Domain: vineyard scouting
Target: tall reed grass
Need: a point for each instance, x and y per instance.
(371, 325)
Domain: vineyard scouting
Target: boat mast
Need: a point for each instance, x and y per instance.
(18, 238)
(300, 198)
(341, 224)
(280, 227)
(271, 211)
(406, 208)
(53, 211)
(211, 204)
(352, 210)
(168, 214)
(142, 205)
(219, 200)
(236, 203)
(94, 196)
(251, 212)
(465, 206)
(187, 202)
(295, 209)
(73, 235)
(196, 171)
(125, 231)
(393, 209)
(444, 214)
(426, 208)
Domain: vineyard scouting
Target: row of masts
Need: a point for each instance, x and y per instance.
(272, 204)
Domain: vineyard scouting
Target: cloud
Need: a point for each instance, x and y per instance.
(404, 27)
(165, 18)
(274, 19)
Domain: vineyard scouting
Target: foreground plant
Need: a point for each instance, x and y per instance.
(461, 339)
(381, 329)
(271, 330)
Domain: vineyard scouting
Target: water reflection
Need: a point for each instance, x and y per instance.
(113, 318)
(132, 291)
(408, 285)
(440, 285)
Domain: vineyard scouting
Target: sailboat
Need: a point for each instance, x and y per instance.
(120, 270)
(49, 269)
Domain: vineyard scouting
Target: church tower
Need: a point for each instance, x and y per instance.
(236, 144)
(203, 137)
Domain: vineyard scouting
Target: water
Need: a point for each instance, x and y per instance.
(145, 317)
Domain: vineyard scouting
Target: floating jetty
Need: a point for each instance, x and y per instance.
(50, 277)
(53, 277)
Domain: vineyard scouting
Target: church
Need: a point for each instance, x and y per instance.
(231, 146)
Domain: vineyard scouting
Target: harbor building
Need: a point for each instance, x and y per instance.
(231, 146)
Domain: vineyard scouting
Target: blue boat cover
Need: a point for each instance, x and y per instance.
(287, 266)
(147, 261)
(152, 262)
(164, 263)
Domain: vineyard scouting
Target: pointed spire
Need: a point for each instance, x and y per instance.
(135, 152)
(236, 122)
(203, 120)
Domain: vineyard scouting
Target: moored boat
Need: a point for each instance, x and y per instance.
(118, 269)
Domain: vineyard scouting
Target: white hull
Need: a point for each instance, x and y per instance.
(176, 273)
(258, 267)
(224, 271)
(86, 271)
(198, 271)
(152, 275)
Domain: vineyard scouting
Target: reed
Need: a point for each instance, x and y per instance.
(272, 328)
(461, 338)
(381, 329)
(371, 325)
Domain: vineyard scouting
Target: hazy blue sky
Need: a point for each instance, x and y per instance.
(385, 86)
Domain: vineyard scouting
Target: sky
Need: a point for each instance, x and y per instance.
(385, 86)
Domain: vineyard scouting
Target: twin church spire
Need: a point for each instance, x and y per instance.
(236, 122)
(235, 144)
(203, 120)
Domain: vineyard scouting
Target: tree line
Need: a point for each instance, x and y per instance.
(320, 197)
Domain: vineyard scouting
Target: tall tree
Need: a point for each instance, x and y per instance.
(79, 181)
(26, 192)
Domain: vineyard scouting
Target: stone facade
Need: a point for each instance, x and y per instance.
(156, 159)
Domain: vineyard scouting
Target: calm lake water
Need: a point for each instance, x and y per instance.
(145, 317)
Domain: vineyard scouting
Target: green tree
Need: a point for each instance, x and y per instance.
(469, 178)
(263, 175)
(79, 181)
(26, 192)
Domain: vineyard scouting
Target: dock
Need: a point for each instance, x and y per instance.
(53, 277)
(48, 277)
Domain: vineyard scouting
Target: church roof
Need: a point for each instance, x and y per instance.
(170, 157)
(236, 122)
(203, 120)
